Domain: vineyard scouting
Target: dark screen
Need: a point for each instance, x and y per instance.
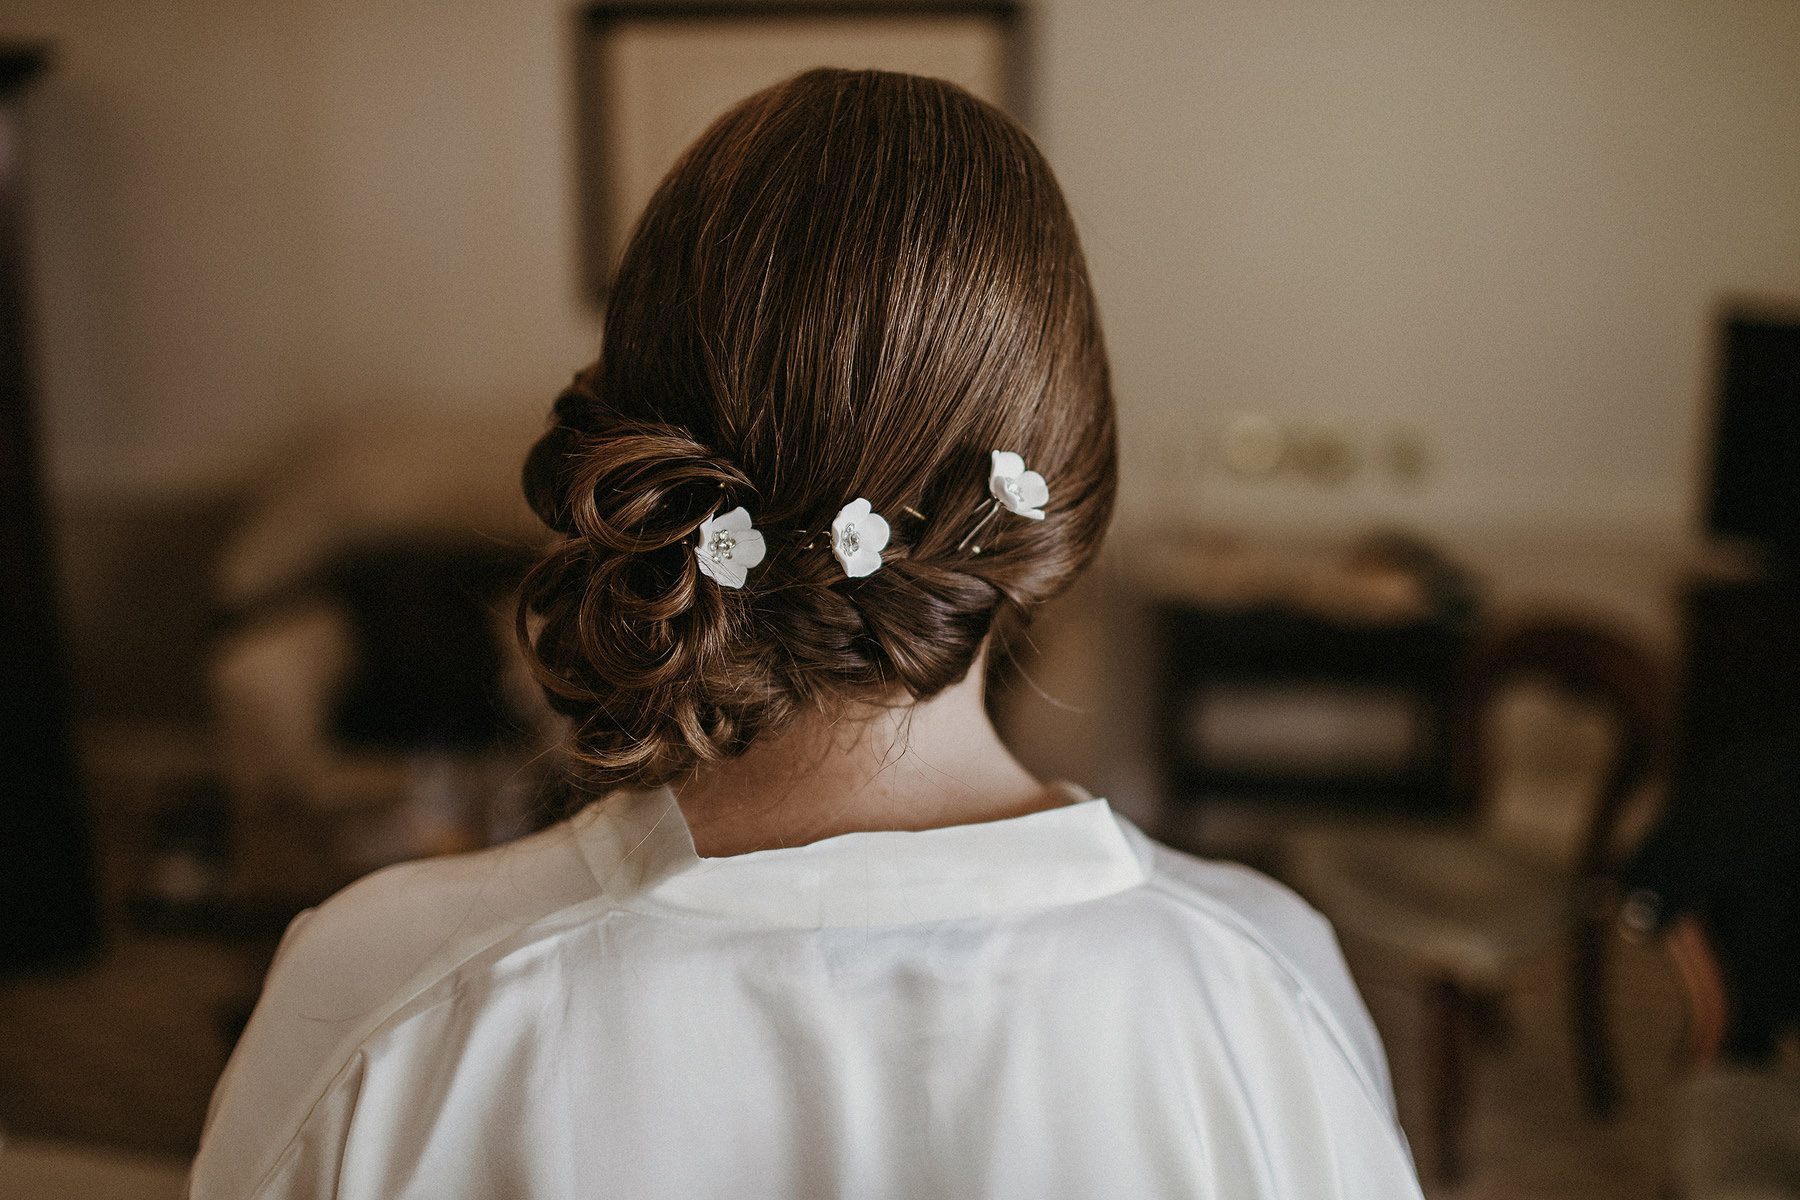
(1756, 457)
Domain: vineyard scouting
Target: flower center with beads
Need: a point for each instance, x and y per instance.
(852, 543)
(721, 546)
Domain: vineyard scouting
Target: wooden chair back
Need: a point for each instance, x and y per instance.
(1587, 659)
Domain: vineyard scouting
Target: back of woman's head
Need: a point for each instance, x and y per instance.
(855, 284)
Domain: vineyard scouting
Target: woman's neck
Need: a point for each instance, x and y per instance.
(903, 766)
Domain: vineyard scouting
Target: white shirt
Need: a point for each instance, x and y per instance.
(1047, 1006)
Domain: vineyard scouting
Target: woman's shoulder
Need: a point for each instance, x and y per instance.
(350, 965)
(386, 928)
(1258, 906)
(1279, 928)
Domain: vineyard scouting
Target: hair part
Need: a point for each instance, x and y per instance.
(855, 283)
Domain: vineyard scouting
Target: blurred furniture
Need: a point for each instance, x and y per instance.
(1274, 705)
(49, 906)
(1720, 874)
(370, 704)
(1739, 1125)
(1335, 687)
(1460, 907)
(1727, 848)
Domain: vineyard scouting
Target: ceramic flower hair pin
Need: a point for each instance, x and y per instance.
(858, 536)
(729, 547)
(1018, 490)
(1013, 488)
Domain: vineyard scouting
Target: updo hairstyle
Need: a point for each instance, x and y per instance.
(855, 283)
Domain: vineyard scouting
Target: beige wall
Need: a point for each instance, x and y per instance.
(253, 215)
(1499, 224)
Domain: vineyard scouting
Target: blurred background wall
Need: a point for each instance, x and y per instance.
(1502, 224)
(1493, 233)
(250, 216)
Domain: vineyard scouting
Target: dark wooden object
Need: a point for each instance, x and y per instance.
(1273, 646)
(49, 910)
(1727, 848)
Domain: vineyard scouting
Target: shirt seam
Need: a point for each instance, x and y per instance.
(1247, 931)
(395, 1005)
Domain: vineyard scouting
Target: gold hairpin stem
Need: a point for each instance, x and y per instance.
(993, 507)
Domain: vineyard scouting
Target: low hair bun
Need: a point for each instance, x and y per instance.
(553, 456)
(619, 625)
(638, 489)
(626, 484)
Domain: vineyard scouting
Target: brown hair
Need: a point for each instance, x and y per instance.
(855, 283)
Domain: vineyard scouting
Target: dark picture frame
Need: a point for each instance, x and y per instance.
(649, 77)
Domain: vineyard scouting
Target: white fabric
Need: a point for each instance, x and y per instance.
(1041, 1007)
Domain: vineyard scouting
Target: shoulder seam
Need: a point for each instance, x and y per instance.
(409, 993)
(1244, 929)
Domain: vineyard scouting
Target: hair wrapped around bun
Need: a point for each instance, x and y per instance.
(855, 284)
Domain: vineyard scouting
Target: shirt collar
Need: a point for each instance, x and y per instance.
(640, 851)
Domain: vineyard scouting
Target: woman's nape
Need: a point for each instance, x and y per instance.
(904, 764)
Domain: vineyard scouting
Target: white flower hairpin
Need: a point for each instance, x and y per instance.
(1021, 491)
(1013, 488)
(729, 547)
(858, 535)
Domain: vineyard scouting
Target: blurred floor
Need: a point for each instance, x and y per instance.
(1529, 1135)
(124, 1052)
(33, 1170)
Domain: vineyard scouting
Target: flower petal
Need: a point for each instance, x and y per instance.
(1007, 465)
(850, 514)
(747, 550)
(735, 521)
(726, 573)
(875, 532)
(750, 549)
(1033, 491)
(871, 537)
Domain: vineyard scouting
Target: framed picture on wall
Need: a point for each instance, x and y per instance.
(652, 76)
